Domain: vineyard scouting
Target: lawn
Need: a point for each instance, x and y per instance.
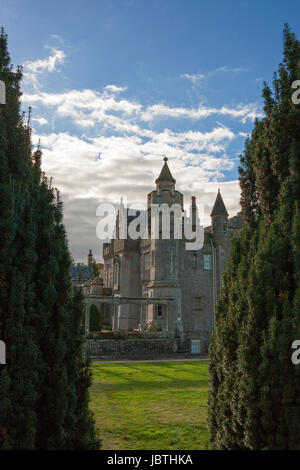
(151, 405)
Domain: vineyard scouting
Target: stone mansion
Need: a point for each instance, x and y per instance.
(167, 287)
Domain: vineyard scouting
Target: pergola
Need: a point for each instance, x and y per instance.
(117, 301)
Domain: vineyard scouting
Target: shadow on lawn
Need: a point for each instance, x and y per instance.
(146, 376)
(150, 385)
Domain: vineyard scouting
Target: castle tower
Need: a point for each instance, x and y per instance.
(164, 253)
(219, 229)
(219, 220)
(90, 258)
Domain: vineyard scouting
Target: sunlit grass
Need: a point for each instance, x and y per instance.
(153, 405)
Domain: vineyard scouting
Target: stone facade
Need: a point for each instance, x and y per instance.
(157, 268)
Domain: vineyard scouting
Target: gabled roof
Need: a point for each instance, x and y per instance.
(165, 174)
(81, 272)
(219, 206)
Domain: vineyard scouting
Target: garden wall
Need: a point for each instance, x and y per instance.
(110, 349)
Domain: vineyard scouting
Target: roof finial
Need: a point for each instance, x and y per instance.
(165, 174)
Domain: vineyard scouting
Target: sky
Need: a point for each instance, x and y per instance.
(115, 85)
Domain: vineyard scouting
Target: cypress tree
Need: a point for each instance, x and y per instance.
(44, 385)
(255, 388)
(95, 318)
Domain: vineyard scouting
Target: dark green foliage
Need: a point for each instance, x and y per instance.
(44, 385)
(95, 268)
(254, 400)
(95, 319)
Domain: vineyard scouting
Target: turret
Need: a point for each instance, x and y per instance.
(219, 217)
(165, 182)
(90, 258)
(165, 192)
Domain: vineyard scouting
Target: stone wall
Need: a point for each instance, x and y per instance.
(111, 349)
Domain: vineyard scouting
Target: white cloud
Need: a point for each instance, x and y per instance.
(243, 112)
(49, 64)
(41, 121)
(117, 145)
(128, 167)
(193, 77)
(226, 68)
(89, 108)
(34, 68)
(115, 89)
(57, 37)
(119, 156)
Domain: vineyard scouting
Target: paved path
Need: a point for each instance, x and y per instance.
(199, 358)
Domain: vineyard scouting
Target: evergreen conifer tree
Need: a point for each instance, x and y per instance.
(44, 385)
(255, 387)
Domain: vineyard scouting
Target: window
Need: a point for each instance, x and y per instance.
(195, 346)
(207, 262)
(146, 261)
(153, 257)
(158, 310)
(197, 303)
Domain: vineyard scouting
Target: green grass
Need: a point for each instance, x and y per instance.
(151, 405)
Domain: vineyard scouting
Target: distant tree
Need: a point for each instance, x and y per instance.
(254, 400)
(95, 268)
(44, 385)
(95, 319)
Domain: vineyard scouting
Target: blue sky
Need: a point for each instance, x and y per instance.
(115, 84)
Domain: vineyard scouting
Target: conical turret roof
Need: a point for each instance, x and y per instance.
(219, 206)
(165, 174)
